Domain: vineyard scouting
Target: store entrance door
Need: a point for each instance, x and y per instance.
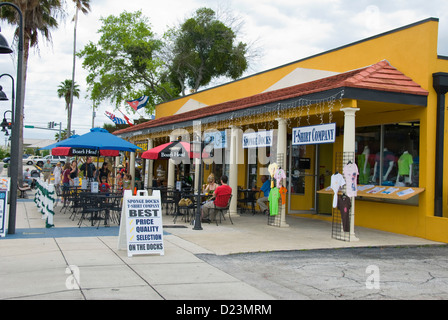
(302, 179)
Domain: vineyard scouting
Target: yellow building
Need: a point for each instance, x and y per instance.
(381, 99)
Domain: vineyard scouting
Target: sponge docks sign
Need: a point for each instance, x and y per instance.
(257, 139)
(324, 133)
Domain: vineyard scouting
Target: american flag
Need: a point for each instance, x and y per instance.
(115, 119)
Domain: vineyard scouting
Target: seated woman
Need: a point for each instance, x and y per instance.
(211, 185)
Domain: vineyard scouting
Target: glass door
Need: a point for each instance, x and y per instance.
(302, 179)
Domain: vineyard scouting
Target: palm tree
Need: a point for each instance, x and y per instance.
(62, 136)
(39, 18)
(65, 90)
(84, 6)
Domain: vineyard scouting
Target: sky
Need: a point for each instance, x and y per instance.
(279, 32)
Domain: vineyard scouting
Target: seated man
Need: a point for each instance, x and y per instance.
(220, 199)
(27, 177)
(266, 188)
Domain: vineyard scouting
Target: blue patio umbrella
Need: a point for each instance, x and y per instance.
(99, 139)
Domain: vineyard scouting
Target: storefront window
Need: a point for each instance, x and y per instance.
(388, 155)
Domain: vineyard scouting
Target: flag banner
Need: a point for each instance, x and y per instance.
(115, 119)
(138, 103)
(126, 118)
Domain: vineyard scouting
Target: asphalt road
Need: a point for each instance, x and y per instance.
(396, 273)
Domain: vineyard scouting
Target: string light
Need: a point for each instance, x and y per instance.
(263, 117)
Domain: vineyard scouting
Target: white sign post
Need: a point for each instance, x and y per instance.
(144, 227)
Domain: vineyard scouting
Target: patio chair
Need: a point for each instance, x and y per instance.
(171, 200)
(89, 206)
(188, 209)
(222, 210)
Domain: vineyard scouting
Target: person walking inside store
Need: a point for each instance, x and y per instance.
(46, 169)
(220, 199)
(265, 188)
(88, 169)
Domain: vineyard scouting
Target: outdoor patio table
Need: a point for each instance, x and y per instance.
(94, 203)
(247, 197)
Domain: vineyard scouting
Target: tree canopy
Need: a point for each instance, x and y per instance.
(123, 65)
(129, 61)
(205, 48)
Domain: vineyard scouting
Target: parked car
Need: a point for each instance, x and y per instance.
(7, 159)
(55, 159)
(29, 160)
(39, 161)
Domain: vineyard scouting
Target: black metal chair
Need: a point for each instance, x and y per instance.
(111, 204)
(222, 210)
(90, 205)
(247, 198)
(188, 209)
(171, 201)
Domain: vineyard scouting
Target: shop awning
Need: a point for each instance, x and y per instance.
(379, 82)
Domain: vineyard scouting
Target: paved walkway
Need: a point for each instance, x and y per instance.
(66, 262)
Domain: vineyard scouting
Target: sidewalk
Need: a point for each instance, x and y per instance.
(34, 263)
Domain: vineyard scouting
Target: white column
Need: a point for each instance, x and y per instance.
(282, 139)
(349, 146)
(233, 170)
(171, 170)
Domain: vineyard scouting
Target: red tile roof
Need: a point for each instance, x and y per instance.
(380, 76)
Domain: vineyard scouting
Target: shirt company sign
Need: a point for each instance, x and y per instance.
(324, 133)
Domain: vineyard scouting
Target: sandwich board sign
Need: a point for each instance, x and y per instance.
(142, 226)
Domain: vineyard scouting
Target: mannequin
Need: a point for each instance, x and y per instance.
(405, 168)
(388, 164)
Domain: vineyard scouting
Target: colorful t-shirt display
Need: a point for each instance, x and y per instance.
(344, 205)
(351, 173)
(279, 175)
(337, 181)
(283, 192)
(404, 164)
(274, 195)
(364, 165)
